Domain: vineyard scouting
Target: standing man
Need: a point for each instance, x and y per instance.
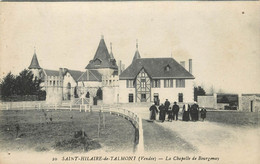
(166, 105)
(153, 111)
(175, 109)
(162, 113)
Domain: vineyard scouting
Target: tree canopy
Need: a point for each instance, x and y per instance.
(23, 84)
(198, 91)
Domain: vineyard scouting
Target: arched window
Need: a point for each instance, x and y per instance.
(68, 86)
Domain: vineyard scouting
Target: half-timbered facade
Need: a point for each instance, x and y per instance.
(143, 87)
(154, 80)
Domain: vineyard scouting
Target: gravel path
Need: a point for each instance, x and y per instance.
(231, 144)
(158, 138)
(219, 140)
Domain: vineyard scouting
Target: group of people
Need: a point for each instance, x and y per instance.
(189, 112)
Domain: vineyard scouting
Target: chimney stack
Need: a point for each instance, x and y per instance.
(182, 63)
(119, 67)
(190, 66)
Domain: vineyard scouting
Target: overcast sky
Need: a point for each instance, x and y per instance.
(222, 38)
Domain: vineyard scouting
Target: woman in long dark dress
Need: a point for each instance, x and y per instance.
(186, 112)
(162, 112)
(153, 111)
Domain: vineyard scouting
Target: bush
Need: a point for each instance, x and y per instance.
(77, 143)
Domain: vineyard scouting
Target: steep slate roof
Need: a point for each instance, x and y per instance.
(51, 72)
(34, 63)
(75, 74)
(90, 75)
(101, 58)
(155, 67)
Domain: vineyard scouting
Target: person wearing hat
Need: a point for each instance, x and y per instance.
(166, 105)
(175, 109)
(203, 112)
(153, 111)
(162, 112)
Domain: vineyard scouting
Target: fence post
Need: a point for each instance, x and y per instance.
(55, 106)
(85, 108)
(70, 106)
(80, 108)
(104, 120)
(99, 123)
(140, 146)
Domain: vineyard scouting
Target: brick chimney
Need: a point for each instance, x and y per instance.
(190, 66)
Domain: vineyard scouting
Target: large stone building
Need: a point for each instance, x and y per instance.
(155, 79)
(145, 80)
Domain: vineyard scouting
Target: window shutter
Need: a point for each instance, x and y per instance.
(164, 83)
(126, 83)
(159, 83)
(184, 83)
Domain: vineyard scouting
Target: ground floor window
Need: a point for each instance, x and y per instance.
(131, 97)
(180, 97)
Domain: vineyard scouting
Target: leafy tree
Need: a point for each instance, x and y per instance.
(8, 85)
(23, 84)
(198, 91)
(26, 83)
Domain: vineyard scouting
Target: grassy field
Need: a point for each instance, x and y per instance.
(60, 131)
(234, 118)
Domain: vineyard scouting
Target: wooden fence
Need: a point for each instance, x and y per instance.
(112, 109)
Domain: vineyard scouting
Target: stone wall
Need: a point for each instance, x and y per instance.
(246, 103)
(208, 101)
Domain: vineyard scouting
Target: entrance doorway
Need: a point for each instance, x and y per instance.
(143, 97)
(156, 99)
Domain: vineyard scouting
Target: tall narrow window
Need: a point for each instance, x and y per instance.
(156, 84)
(180, 97)
(168, 83)
(143, 83)
(129, 83)
(131, 97)
(180, 83)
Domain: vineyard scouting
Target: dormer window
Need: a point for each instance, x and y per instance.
(167, 68)
(97, 61)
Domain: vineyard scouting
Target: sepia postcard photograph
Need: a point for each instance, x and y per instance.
(130, 82)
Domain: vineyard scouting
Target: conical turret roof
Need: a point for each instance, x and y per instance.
(137, 54)
(34, 63)
(102, 58)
